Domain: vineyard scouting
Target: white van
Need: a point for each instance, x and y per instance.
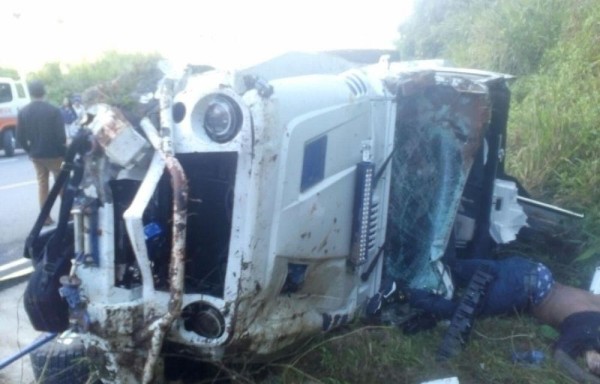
(14, 95)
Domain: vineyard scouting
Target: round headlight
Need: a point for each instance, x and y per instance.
(204, 320)
(222, 119)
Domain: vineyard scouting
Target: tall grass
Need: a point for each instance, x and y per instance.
(385, 355)
(554, 128)
(507, 36)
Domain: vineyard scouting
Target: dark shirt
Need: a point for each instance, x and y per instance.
(41, 130)
(579, 332)
(68, 114)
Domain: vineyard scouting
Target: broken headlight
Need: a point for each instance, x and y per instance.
(223, 119)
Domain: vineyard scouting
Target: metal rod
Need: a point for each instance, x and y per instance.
(179, 184)
(548, 206)
(32, 347)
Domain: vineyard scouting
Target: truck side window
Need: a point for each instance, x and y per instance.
(313, 166)
(5, 93)
(20, 91)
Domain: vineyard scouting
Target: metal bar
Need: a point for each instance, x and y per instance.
(32, 347)
(135, 226)
(548, 206)
(179, 185)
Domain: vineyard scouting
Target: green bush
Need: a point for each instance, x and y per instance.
(61, 81)
(508, 36)
(554, 135)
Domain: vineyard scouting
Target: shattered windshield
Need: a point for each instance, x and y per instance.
(440, 128)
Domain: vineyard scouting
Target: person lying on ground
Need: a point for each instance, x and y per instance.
(522, 285)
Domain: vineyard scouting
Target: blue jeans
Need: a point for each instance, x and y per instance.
(512, 288)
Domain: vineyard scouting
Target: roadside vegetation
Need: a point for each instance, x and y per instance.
(115, 76)
(552, 47)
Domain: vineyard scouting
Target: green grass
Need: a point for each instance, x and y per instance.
(368, 354)
(376, 354)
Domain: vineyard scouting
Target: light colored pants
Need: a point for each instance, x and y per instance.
(43, 167)
(71, 131)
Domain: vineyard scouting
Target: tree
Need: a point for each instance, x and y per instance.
(9, 72)
(508, 36)
(130, 67)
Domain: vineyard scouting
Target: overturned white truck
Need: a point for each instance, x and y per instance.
(264, 205)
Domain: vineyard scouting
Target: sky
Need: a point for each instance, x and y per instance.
(215, 32)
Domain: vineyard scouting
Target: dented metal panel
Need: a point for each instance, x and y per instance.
(122, 144)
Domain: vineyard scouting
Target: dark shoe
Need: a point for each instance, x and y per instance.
(421, 322)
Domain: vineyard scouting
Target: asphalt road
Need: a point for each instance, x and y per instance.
(19, 208)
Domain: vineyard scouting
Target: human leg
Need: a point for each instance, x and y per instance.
(54, 166)
(429, 302)
(42, 175)
(464, 269)
(507, 291)
(43, 168)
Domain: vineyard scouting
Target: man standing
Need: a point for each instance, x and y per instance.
(41, 133)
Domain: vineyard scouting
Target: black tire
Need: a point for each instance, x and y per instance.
(61, 361)
(8, 142)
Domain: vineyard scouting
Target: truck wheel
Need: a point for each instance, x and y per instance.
(60, 361)
(8, 141)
